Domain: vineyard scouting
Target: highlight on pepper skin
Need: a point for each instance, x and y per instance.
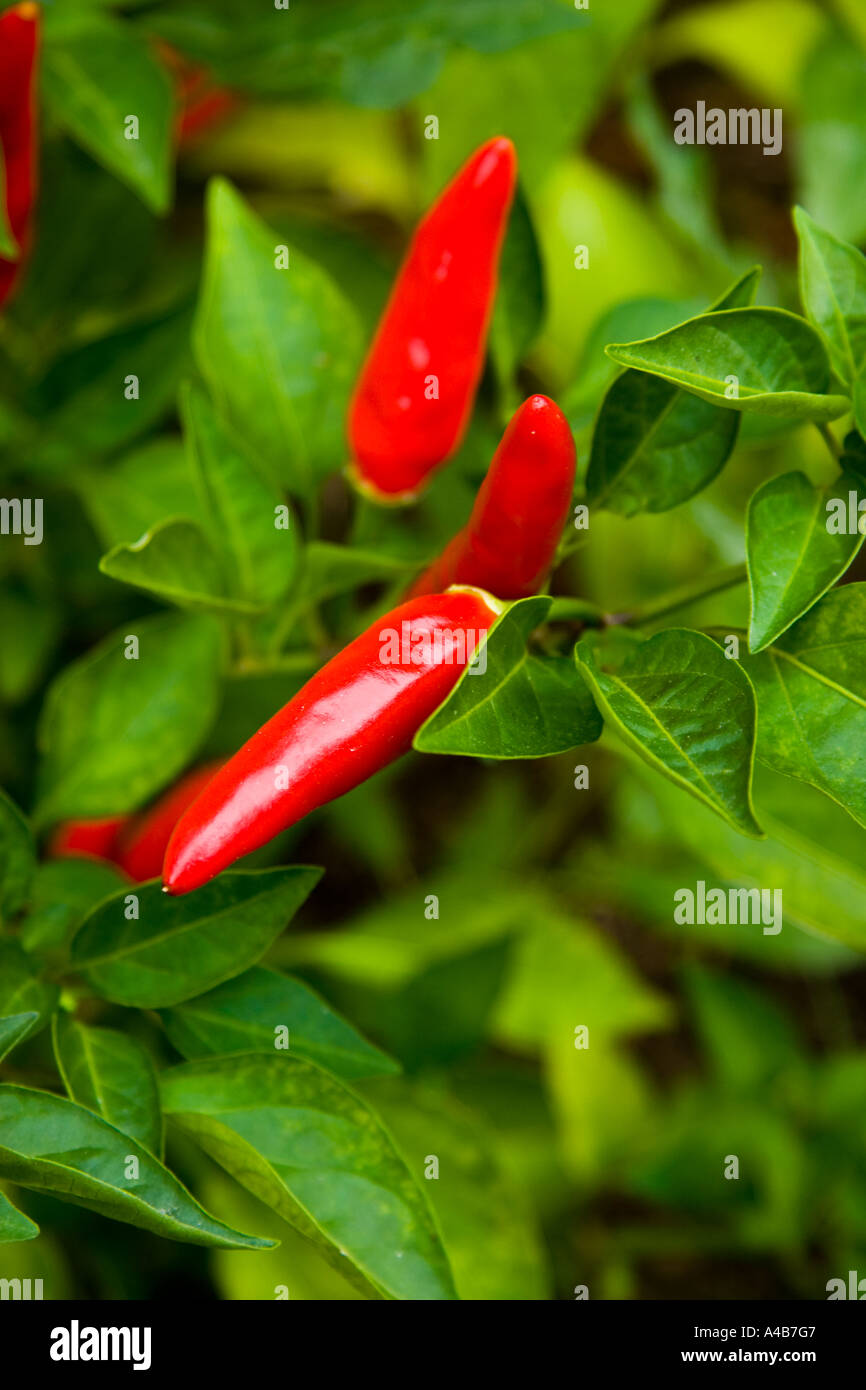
(416, 389)
(359, 713)
(19, 53)
(135, 843)
(509, 543)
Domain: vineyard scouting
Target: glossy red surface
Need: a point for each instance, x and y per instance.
(434, 325)
(141, 847)
(95, 838)
(19, 42)
(510, 540)
(356, 715)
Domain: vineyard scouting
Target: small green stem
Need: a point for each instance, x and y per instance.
(564, 610)
(682, 598)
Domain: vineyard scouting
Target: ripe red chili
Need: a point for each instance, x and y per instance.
(140, 847)
(94, 838)
(415, 392)
(509, 542)
(356, 715)
(19, 41)
(201, 103)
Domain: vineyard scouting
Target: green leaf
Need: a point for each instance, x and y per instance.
(833, 291)
(308, 1147)
(178, 947)
(793, 556)
(175, 562)
(96, 74)
(514, 704)
(30, 629)
(564, 972)
(488, 1225)
(779, 362)
(17, 858)
(14, 1225)
(116, 729)
(64, 891)
(859, 402)
(853, 458)
(21, 990)
(655, 445)
(14, 1029)
(279, 349)
(132, 496)
(336, 569)
(85, 398)
(241, 507)
(748, 1037)
(822, 888)
(830, 152)
(688, 711)
(245, 1014)
(50, 1144)
(811, 689)
(519, 307)
(112, 1074)
(360, 51)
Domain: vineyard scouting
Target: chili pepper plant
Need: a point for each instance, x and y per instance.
(432, 650)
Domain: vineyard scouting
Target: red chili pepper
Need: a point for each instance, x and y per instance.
(94, 838)
(201, 103)
(140, 849)
(414, 396)
(356, 715)
(508, 544)
(19, 42)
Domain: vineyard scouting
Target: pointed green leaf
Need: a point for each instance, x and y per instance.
(688, 711)
(64, 892)
(259, 558)
(21, 990)
(655, 445)
(17, 858)
(811, 689)
(859, 402)
(175, 562)
(335, 569)
(833, 291)
(763, 360)
(121, 722)
(96, 73)
(14, 1029)
(311, 1149)
(513, 703)
(50, 1144)
(793, 555)
(112, 1074)
(178, 947)
(278, 348)
(249, 1013)
(519, 306)
(14, 1225)
(137, 492)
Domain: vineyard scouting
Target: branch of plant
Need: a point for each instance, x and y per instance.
(590, 615)
(682, 597)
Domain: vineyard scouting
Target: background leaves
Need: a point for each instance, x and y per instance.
(279, 349)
